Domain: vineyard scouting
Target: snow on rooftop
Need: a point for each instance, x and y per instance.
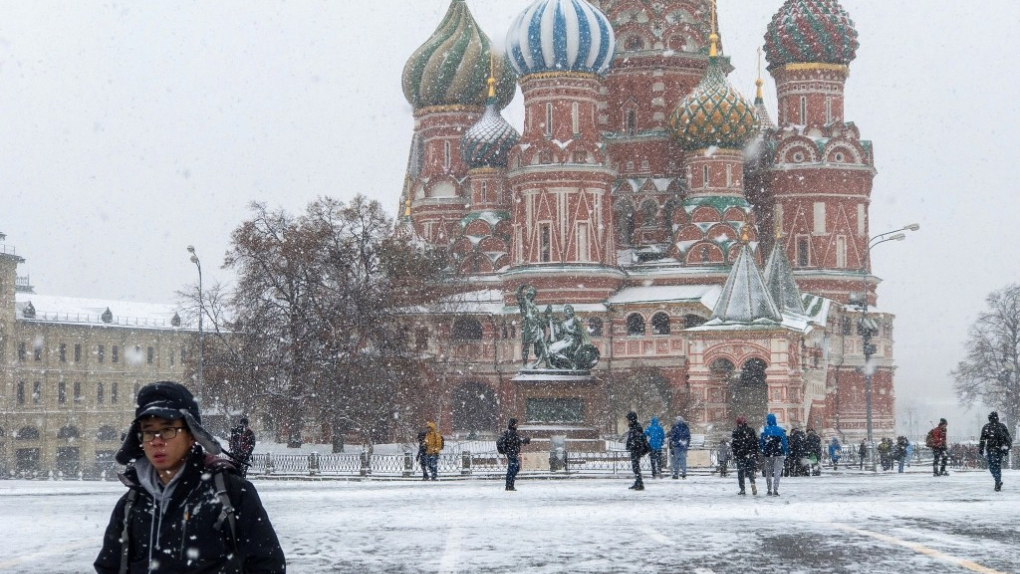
(707, 295)
(56, 309)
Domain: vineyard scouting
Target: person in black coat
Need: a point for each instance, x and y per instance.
(813, 446)
(744, 443)
(638, 446)
(995, 444)
(421, 456)
(509, 444)
(185, 511)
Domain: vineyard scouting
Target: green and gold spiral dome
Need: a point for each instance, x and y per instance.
(451, 67)
(714, 114)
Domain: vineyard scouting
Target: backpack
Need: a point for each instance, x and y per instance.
(442, 442)
(501, 444)
(929, 439)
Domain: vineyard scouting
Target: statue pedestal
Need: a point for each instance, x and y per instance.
(558, 403)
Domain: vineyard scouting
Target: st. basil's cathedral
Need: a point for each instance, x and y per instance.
(717, 258)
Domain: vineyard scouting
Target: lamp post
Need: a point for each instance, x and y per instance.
(201, 312)
(865, 328)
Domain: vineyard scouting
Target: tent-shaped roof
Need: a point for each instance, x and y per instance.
(780, 282)
(745, 298)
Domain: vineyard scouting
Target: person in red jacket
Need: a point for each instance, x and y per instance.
(937, 443)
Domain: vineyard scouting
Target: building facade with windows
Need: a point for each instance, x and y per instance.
(716, 257)
(71, 370)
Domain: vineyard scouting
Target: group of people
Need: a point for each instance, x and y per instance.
(776, 455)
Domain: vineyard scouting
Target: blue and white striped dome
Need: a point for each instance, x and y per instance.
(561, 36)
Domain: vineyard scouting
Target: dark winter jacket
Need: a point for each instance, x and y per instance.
(994, 437)
(798, 444)
(180, 534)
(773, 438)
(655, 433)
(744, 442)
(680, 435)
(813, 444)
(511, 442)
(637, 444)
(242, 442)
(900, 452)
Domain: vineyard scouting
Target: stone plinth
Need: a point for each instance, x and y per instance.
(550, 403)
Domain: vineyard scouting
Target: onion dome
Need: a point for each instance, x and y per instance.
(811, 31)
(561, 36)
(451, 67)
(714, 114)
(489, 141)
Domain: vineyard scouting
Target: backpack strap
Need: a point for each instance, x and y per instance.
(227, 509)
(125, 546)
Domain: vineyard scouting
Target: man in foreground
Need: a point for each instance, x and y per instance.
(509, 444)
(186, 511)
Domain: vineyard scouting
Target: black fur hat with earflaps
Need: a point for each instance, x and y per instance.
(171, 401)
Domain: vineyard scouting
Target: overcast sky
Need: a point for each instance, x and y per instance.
(131, 130)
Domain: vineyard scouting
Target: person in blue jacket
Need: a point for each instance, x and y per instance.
(835, 452)
(679, 442)
(656, 436)
(774, 447)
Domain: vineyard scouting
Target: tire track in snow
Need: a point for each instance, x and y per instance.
(451, 552)
(656, 536)
(922, 549)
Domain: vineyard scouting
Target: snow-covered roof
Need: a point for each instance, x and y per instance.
(706, 295)
(56, 309)
(780, 283)
(745, 299)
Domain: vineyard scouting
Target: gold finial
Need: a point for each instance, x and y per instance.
(714, 36)
(492, 75)
(745, 236)
(779, 230)
(759, 82)
(407, 207)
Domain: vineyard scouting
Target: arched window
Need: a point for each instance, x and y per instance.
(635, 324)
(28, 433)
(660, 324)
(107, 433)
(467, 329)
(68, 432)
(691, 321)
(595, 327)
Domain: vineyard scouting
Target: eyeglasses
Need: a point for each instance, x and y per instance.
(167, 433)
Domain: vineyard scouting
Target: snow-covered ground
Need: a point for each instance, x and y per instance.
(836, 523)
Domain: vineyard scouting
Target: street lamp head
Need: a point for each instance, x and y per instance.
(191, 249)
(913, 227)
(898, 237)
(194, 259)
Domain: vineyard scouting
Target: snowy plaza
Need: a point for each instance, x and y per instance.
(843, 522)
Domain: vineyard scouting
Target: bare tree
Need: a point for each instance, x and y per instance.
(991, 373)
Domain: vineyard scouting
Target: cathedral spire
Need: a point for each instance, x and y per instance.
(780, 282)
(713, 52)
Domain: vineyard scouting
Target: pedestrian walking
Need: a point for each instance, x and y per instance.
(900, 452)
(936, 441)
(744, 443)
(509, 444)
(656, 437)
(774, 447)
(638, 447)
(722, 457)
(994, 445)
(885, 453)
(813, 445)
(679, 442)
(835, 452)
(186, 510)
(422, 457)
(794, 464)
(242, 445)
(862, 452)
(433, 446)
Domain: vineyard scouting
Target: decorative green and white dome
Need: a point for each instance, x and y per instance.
(714, 114)
(451, 67)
